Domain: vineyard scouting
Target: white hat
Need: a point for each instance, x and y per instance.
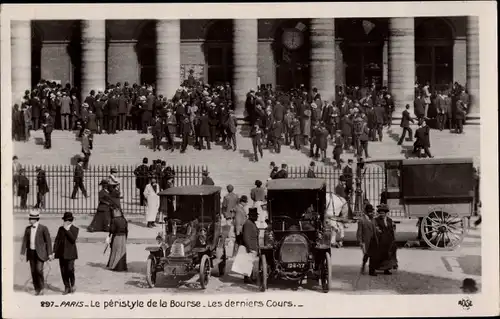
(34, 214)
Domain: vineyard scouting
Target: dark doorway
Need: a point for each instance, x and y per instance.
(362, 47)
(146, 53)
(292, 56)
(36, 55)
(434, 53)
(75, 55)
(218, 49)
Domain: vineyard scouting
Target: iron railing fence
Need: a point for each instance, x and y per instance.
(372, 179)
(60, 183)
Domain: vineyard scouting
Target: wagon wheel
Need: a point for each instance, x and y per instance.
(326, 273)
(442, 231)
(263, 272)
(204, 271)
(151, 271)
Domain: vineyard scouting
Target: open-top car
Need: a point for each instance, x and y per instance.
(193, 240)
(296, 243)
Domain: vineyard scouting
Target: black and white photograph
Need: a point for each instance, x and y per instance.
(249, 161)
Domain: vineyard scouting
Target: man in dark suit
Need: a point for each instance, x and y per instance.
(231, 125)
(65, 250)
(366, 235)
(250, 236)
(256, 134)
(282, 173)
(78, 179)
(405, 124)
(423, 139)
(142, 179)
(157, 131)
(37, 247)
(42, 187)
(122, 111)
(419, 106)
(48, 127)
(186, 131)
(204, 131)
(205, 179)
(23, 187)
(277, 127)
(381, 119)
(113, 114)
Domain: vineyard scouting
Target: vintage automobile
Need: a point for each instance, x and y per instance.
(296, 244)
(439, 193)
(193, 240)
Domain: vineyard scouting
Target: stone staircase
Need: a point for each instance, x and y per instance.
(225, 166)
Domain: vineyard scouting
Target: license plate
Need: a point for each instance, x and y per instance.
(296, 265)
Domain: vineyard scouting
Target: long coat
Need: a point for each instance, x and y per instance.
(366, 232)
(204, 126)
(153, 201)
(65, 243)
(240, 217)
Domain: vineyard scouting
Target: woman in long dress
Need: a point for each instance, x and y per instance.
(384, 257)
(102, 217)
(152, 202)
(118, 234)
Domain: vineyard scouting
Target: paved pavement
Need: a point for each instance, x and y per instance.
(421, 271)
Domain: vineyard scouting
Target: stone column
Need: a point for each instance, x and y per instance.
(168, 57)
(20, 59)
(385, 64)
(245, 50)
(93, 56)
(473, 64)
(401, 59)
(323, 57)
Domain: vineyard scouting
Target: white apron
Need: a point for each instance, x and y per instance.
(153, 202)
(336, 206)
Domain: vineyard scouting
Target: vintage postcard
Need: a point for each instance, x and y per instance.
(249, 160)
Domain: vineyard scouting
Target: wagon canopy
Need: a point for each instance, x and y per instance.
(200, 190)
(296, 184)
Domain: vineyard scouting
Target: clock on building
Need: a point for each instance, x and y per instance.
(292, 39)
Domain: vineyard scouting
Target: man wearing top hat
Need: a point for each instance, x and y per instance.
(65, 250)
(250, 239)
(86, 148)
(384, 256)
(23, 187)
(37, 247)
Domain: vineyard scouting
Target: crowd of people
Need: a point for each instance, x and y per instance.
(201, 114)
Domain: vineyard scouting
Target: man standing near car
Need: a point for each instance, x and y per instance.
(250, 237)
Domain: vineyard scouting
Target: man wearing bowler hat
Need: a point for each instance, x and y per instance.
(37, 247)
(65, 250)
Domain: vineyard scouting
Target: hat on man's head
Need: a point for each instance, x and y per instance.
(244, 199)
(253, 211)
(369, 208)
(38, 167)
(114, 170)
(383, 208)
(68, 216)
(205, 172)
(34, 214)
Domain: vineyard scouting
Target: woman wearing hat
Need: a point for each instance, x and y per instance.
(384, 257)
(117, 239)
(65, 250)
(102, 217)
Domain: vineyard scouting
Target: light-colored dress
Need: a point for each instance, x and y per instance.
(153, 201)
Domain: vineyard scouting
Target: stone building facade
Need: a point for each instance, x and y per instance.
(322, 53)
